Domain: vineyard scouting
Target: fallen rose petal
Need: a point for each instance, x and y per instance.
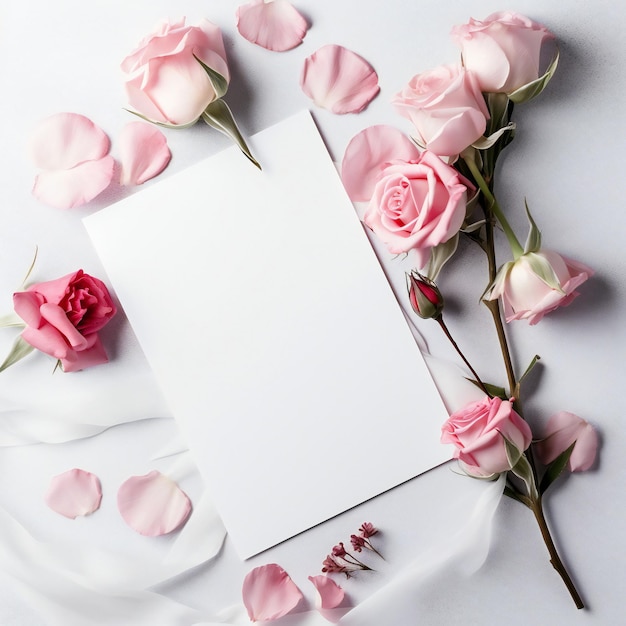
(275, 25)
(73, 493)
(339, 80)
(562, 430)
(329, 594)
(64, 140)
(153, 504)
(67, 189)
(368, 153)
(144, 153)
(269, 593)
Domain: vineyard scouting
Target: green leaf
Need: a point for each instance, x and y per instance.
(516, 495)
(32, 266)
(531, 90)
(533, 242)
(555, 469)
(532, 364)
(19, 350)
(494, 390)
(219, 82)
(498, 105)
(544, 271)
(219, 116)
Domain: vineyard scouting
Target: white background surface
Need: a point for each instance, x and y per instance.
(63, 55)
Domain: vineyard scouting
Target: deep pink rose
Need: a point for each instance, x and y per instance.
(478, 431)
(503, 51)
(165, 82)
(416, 205)
(63, 317)
(524, 292)
(446, 107)
(562, 430)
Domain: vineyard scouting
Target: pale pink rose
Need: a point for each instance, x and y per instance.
(446, 107)
(503, 51)
(165, 82)
(524, 292)
(478, 432)
(63, 317)
(562, 430)
(417, 205)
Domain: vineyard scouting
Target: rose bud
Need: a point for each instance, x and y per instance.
(503, 51)
(426, 299)
(536, 284)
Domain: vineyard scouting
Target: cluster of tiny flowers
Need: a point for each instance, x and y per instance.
(340, 561)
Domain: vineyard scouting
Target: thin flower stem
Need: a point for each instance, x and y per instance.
(537, 509)
(456, 347)
(494, 207)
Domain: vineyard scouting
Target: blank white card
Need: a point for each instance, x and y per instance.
(274, 335)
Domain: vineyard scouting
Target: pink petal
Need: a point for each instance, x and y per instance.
(274, 25)
(26, 304)
(94, 354)
(73, 493)
(67, 189)
(330, 594)
(269, 593)
(368, 153)
(64, 140)
(339, 80)
(153, 504)
(562, 430)
(144, 153)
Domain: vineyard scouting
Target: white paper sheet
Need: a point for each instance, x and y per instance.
(274, 335)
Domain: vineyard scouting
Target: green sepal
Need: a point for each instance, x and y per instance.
(439, 256)
(499, 110)
(162, 124)
(555, 469)
(544, 271)
(495, 391)
(219, 116)
(520, 466)
(19, 350)
(533, 241)
(218, 82)
(12, 319)
(531, 90)
(484, 143)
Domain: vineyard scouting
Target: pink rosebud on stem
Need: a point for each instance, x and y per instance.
(426, 299)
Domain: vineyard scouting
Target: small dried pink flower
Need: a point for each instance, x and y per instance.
(367, 530)
(358, 542)
(339, 550)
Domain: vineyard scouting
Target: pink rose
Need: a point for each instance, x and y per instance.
(417, 205)
(165, 81)
(503, 51)
(446, 107)
(536, 284)
(562, 430)
(63, 317)
(478, 431)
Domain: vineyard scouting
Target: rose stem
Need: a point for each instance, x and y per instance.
(537, 509)
(456, 347)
